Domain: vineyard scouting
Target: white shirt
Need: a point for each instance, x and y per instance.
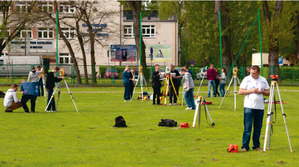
(10, 96)
(254, 100)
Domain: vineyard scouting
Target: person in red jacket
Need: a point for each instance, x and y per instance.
(211, 76)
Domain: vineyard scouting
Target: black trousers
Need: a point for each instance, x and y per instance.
(172, 93)
(157, 92)
(52, 103)
(32, 99)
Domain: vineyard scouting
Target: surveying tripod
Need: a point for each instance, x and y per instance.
(166, 88)
(197, 114)
(269, 126)
(140, 79)
(235, 79)
(61, 74)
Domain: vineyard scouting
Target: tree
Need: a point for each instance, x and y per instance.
(136, 9)
(174, 9)
(12, 18)
(272, 11)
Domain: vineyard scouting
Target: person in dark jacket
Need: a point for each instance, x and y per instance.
(50, 84)
(156, 84)
(131, 79)
(126, 81)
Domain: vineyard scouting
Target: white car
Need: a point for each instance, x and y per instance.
(201, 74)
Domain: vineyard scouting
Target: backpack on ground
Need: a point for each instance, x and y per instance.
(168, 123)
(120, 122)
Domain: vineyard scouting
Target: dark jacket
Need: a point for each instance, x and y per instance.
(156, 82)
(51, 79)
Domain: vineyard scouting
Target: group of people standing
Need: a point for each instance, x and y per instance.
(214, 79)
(30, 90)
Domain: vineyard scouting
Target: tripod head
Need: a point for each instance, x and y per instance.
(274, 77)
(61, 72)
(140, 69)
(235, 71)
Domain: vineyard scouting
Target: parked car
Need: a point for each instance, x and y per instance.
(109, 72)
(202, 73)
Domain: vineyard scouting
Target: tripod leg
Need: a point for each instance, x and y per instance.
(238, 81)
(163, 94)
(166, 93)
(207, 112)
(235, 94)
(175, 91)
(226, 92)
(284, 118)
(70, 95)
(135, 87)
(199, 86)
(51, 97)
(269, 112)
(197, 112)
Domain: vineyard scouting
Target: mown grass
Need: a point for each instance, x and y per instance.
(67, 138)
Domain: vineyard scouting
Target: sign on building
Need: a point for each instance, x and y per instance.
(123, 52)
(161, 53)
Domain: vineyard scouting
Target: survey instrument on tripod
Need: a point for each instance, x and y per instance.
(141, 80)
(269, 125)
(234, 79)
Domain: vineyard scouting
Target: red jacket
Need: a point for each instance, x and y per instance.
(211, 74)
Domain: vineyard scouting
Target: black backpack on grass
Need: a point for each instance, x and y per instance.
(168, 123)
(120, 122)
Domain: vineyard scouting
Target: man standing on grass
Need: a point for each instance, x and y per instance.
(254, 87)
(156, 84)
(126, 81)
(29, 93)
(188, 85)
(11, 101)
(50, 84)
(211, 77)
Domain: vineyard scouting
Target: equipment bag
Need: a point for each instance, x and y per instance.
(168, 123)
(2, 94)
(232, 148)
(120, 122)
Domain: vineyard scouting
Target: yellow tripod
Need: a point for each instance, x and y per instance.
(166, 90)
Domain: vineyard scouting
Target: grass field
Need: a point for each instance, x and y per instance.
(67, 138)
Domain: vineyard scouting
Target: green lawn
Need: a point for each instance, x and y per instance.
(67, 138)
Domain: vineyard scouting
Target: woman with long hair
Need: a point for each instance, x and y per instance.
(222, 82)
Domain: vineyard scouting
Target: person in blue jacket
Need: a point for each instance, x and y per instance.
(126, 81)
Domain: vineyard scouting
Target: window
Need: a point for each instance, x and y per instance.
(148, 31)
(65, 58)
(45, 33)
(69, 33)
(45, 6)
(65, 7)
(22, 6)
(1, 62)
(25, 33)
(128, 31)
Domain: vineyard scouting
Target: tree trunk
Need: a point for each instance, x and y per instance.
(273, 28)
(92, 51)
(226, 33)
(136, 9)
(297, 37)
(68, 46)
(81, 43)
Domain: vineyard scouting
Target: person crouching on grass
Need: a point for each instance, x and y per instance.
(50, 84)
(188, 85)
(11, 101)
(254, 87)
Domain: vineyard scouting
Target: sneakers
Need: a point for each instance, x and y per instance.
(8, 110)
(257, 149)
(174, 104)
(170, 104)
(243, 149)
(54, 111)
(188, 108)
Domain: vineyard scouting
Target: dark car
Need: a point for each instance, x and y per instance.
(109, 72)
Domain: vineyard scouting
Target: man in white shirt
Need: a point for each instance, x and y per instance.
(254, 87)
(11, 101)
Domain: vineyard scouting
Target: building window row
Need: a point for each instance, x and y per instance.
(69, 33)
(148, 31)
(25, 6)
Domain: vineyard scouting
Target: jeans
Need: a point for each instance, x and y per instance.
(189, 98)
(255, 116)
(52, 103)
(157, 91)
(127, 91)
(41, 87)
(211, 82)
(221, 89)
(24, 100)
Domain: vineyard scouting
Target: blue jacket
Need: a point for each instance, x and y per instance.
(28, 88)
(126, 76)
